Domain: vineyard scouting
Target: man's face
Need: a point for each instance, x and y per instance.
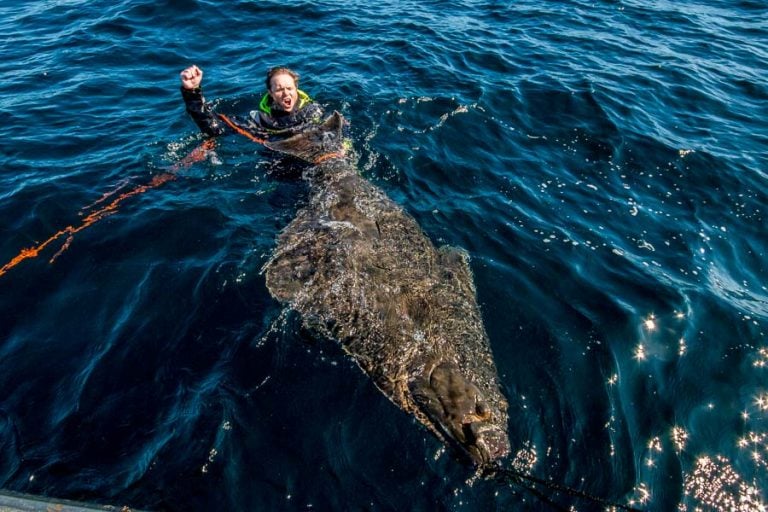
(283, 90)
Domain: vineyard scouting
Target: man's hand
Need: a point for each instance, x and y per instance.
(191, 77)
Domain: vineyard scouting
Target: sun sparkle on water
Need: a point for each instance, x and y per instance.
(679, 438)
(761, 401)
(640, 352)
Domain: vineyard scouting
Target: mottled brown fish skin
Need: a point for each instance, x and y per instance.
(361, 271)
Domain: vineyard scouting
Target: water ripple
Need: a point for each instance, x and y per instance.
(603, 164)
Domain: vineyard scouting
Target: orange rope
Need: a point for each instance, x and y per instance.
(245, 133)
(328, 156)
(241, 131)
(107, 195)
(197, 154)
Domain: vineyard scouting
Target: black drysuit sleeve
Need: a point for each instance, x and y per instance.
(208, 122)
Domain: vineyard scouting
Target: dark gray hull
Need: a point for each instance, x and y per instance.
(17, 502)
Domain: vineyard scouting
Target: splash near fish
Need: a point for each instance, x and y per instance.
(361, 271)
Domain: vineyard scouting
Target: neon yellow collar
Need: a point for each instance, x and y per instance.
(265, 105)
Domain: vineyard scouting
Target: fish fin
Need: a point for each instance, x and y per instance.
(288, 271)
(294, 262)
(314, 142)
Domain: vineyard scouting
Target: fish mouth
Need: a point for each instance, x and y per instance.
(490, 444)
(459, 412)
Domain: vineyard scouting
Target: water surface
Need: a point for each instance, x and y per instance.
(603, 163)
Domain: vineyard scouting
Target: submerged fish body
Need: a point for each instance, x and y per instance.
(361, 271)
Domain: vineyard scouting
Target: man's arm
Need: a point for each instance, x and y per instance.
(198, 109)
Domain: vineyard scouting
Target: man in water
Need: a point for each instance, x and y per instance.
(283, 109)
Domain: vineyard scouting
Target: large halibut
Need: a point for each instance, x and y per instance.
(361, 271)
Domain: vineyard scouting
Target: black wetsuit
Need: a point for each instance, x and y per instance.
(268, 119)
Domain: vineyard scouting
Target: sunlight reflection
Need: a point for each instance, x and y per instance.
(679, 438)
(761, 401)
(642, 495)
(762, 358)
(716, 484)
(650, 322)
(525, 459)
(757, 443)
(655, 444)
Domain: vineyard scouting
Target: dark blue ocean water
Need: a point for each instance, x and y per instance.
(603, 163)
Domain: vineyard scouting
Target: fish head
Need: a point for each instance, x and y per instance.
(314, 142)
(462, 414)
